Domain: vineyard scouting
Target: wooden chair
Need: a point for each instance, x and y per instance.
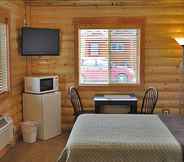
(76, 102)
(149, 101)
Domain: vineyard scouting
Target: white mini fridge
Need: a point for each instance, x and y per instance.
(46, 110)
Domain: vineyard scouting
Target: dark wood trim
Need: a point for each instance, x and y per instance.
(142, 55)
(109, 22)
(76, 55)
(9, 55)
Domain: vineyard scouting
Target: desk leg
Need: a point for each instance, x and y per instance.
(133, 107)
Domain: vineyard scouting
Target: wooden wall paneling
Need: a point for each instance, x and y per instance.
(11, 102)
(162, 54)
(131, 3)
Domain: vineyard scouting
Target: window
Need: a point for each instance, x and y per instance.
(94, 49)
(3, 58)
(113, 56)
(117, 47)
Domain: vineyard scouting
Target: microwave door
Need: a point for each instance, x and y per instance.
(46, 84)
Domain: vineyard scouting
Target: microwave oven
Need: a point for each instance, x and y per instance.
(41, 84)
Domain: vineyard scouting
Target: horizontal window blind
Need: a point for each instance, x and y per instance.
(109, 56)
(3, 58)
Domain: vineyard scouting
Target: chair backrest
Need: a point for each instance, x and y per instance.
(75, 100)
(149, 101)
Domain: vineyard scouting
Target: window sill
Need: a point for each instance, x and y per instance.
(112, 87)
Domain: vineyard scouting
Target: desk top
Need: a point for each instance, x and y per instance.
(115, 97)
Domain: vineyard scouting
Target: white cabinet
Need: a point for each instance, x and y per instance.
(46, 110)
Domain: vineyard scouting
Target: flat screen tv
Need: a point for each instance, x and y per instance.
(40, 42)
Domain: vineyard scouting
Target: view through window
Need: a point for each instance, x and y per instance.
(3, 58)
(109, 56)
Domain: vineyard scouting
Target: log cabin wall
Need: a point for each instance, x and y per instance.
(162, 54)
(11, 102)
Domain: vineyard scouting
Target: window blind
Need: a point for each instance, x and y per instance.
(3, 58)
(109, 56)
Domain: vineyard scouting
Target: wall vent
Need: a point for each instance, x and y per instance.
(6, 131)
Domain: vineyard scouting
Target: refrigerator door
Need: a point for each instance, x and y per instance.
(51, 114)
(32, 110)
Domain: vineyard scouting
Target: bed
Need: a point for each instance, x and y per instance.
(175, 124)
(121, 138)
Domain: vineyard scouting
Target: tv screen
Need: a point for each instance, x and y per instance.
(40, 42)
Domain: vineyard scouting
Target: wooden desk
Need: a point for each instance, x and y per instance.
(124, 99)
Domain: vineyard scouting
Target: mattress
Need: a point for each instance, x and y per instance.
(121, 138)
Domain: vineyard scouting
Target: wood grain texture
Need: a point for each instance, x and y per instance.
(162, 54)
(132, 3)
(11, 102)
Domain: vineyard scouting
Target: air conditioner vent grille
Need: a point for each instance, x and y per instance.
(6, 131)
(3, 122)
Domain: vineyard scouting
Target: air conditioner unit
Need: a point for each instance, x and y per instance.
(6, 131)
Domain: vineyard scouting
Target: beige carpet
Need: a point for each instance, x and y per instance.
(42, 151)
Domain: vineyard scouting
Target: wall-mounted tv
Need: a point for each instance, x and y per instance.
(40, 42)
